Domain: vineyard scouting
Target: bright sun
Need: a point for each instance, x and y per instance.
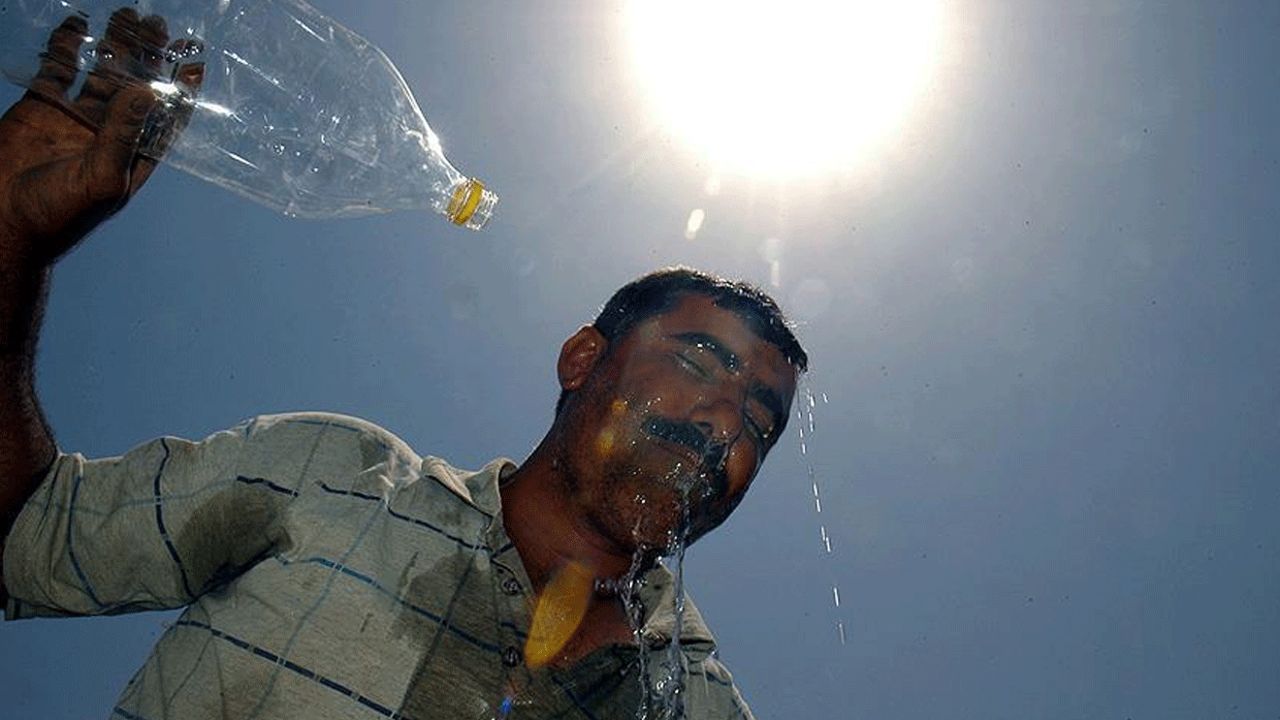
(784, 88)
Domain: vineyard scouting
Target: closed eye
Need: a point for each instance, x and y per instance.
(762, 433)
(692, 366)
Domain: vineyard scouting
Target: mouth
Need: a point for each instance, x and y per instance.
(680, 440)
(689, 460)
(701, 457)
(678, 433)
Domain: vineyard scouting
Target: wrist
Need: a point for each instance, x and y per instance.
(24, 285)
(18, 254)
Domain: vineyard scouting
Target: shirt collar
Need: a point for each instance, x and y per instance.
(658, 595)
(479, 489)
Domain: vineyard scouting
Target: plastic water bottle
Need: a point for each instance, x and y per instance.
(295, 111)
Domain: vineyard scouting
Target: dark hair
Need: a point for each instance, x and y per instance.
(659, 291)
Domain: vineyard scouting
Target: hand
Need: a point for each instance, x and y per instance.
(70, 163)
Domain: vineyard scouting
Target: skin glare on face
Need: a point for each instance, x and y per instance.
(606, 441)
(691, 399)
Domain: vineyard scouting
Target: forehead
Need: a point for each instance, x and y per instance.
(698, 314)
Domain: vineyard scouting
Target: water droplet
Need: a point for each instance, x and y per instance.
(805, 414)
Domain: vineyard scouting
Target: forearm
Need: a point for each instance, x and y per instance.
(26, 444)
(59, 179)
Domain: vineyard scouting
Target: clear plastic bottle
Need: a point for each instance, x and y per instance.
(295, 111)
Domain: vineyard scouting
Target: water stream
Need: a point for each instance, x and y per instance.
(662, 687)
(804, 414)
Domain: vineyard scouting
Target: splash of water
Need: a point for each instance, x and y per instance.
(662, 688)
(670, 687)
(634, 610)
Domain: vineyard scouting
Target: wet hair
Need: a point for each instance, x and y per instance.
(660, 291)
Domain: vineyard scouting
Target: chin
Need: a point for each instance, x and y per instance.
(649, 504)
(658, 529)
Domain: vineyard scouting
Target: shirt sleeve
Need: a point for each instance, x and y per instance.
(152, 529)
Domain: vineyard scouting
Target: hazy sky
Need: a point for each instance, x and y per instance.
(1044, 313)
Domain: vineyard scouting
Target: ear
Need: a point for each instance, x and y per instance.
(579, 356)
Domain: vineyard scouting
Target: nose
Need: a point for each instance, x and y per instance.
(720, 418)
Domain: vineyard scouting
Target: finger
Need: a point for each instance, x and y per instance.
(59, 63)
(190, 73)
(190, 76)
(153, 35)
(124, 32)
(115, 53)
(178, 108)
(109, 163)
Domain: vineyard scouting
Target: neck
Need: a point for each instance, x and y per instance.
(550, 532)
(547, 529)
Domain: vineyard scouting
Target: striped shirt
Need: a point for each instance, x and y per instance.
(327, 571)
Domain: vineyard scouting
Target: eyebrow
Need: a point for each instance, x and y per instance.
(766, 395)
(711, 344)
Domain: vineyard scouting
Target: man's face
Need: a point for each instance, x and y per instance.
(677, 415)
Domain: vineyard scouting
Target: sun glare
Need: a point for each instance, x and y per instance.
(784, 88)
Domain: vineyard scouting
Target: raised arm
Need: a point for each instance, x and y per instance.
(66, 165)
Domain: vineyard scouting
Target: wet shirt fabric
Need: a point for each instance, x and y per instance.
(327, 571)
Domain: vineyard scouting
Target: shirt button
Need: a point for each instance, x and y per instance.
(511, 656)
(511, 586)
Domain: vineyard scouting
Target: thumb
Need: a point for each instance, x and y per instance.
(111, 159)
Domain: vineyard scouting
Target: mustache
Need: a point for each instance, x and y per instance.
(712, 454)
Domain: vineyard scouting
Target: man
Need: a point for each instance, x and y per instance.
(328, 570)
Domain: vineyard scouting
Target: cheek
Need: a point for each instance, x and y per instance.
(741, 466)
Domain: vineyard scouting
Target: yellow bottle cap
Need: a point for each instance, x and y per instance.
(470, 204)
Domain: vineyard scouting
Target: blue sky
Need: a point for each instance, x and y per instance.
(1044, 315)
